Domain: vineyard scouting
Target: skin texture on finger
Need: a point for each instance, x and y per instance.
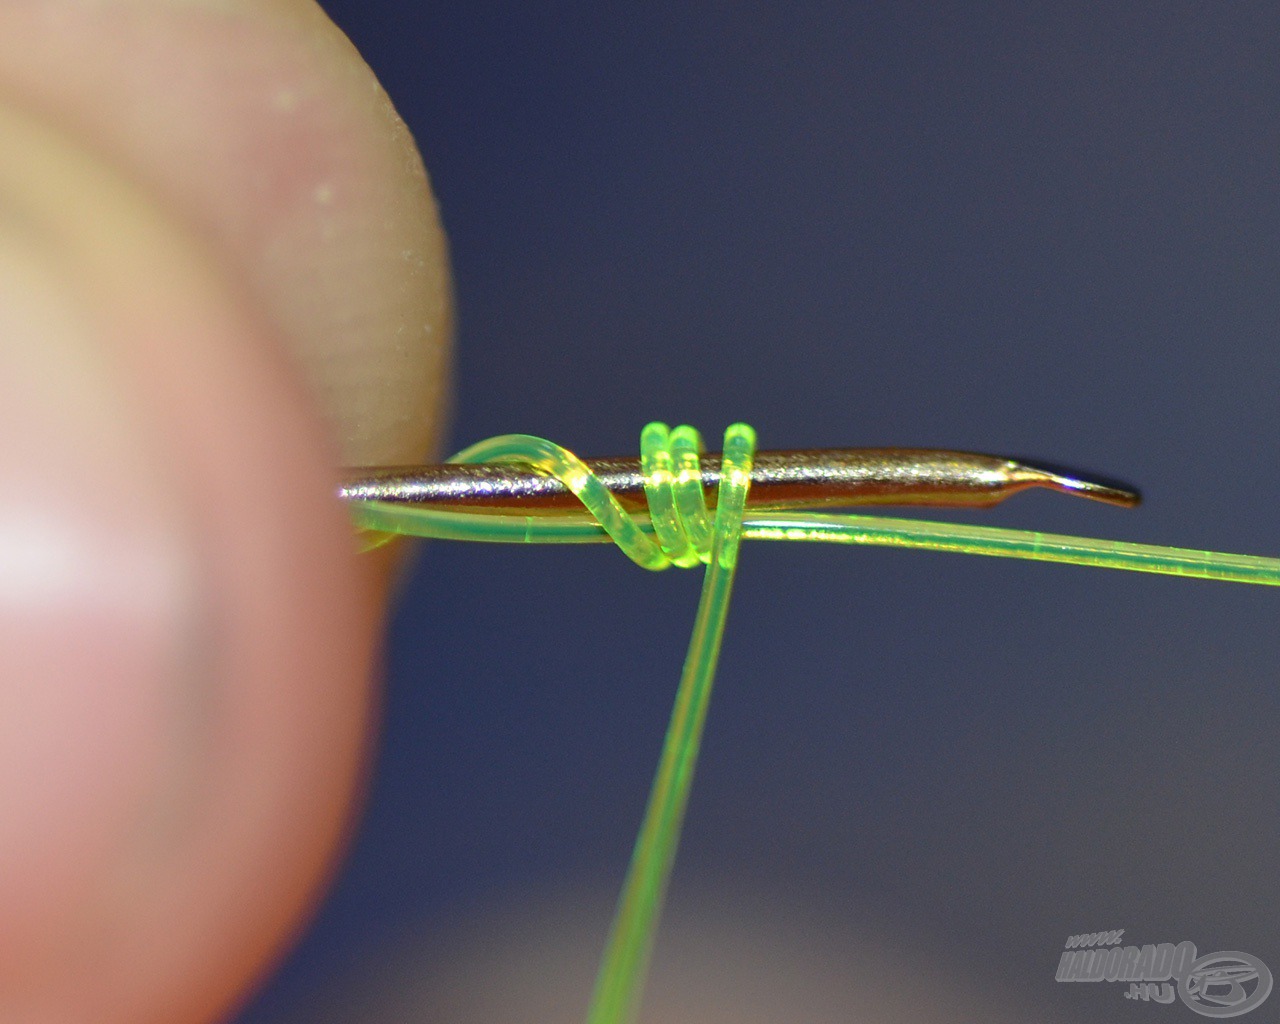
(186, 633)
(225, 203)
(258, 122)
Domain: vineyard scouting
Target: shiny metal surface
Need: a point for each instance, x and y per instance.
(812, 479)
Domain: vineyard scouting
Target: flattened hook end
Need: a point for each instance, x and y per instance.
(1070, 482)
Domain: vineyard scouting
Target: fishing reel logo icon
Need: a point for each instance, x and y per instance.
(1225, 984)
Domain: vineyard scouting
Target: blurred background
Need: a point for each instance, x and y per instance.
(1032, 229)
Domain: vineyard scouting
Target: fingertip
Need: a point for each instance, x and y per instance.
(188, 634)
(262, 127)
(216, 795)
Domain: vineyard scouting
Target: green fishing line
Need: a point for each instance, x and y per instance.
(679, 530)
(688, 526)
(880, 531)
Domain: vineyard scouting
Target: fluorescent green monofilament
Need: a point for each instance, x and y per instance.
(686, 446)
(658, 466)
(626, 956)
(685, 535)
(882, 531)
(1000, 543)
(570, 470)
(679, 531)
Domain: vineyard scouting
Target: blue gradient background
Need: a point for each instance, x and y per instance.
(1038, 229)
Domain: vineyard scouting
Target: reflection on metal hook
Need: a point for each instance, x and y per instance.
(811, 479)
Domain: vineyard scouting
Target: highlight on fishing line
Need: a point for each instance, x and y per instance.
(676, 505)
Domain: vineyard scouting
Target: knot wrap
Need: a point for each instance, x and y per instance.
(684, 531)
